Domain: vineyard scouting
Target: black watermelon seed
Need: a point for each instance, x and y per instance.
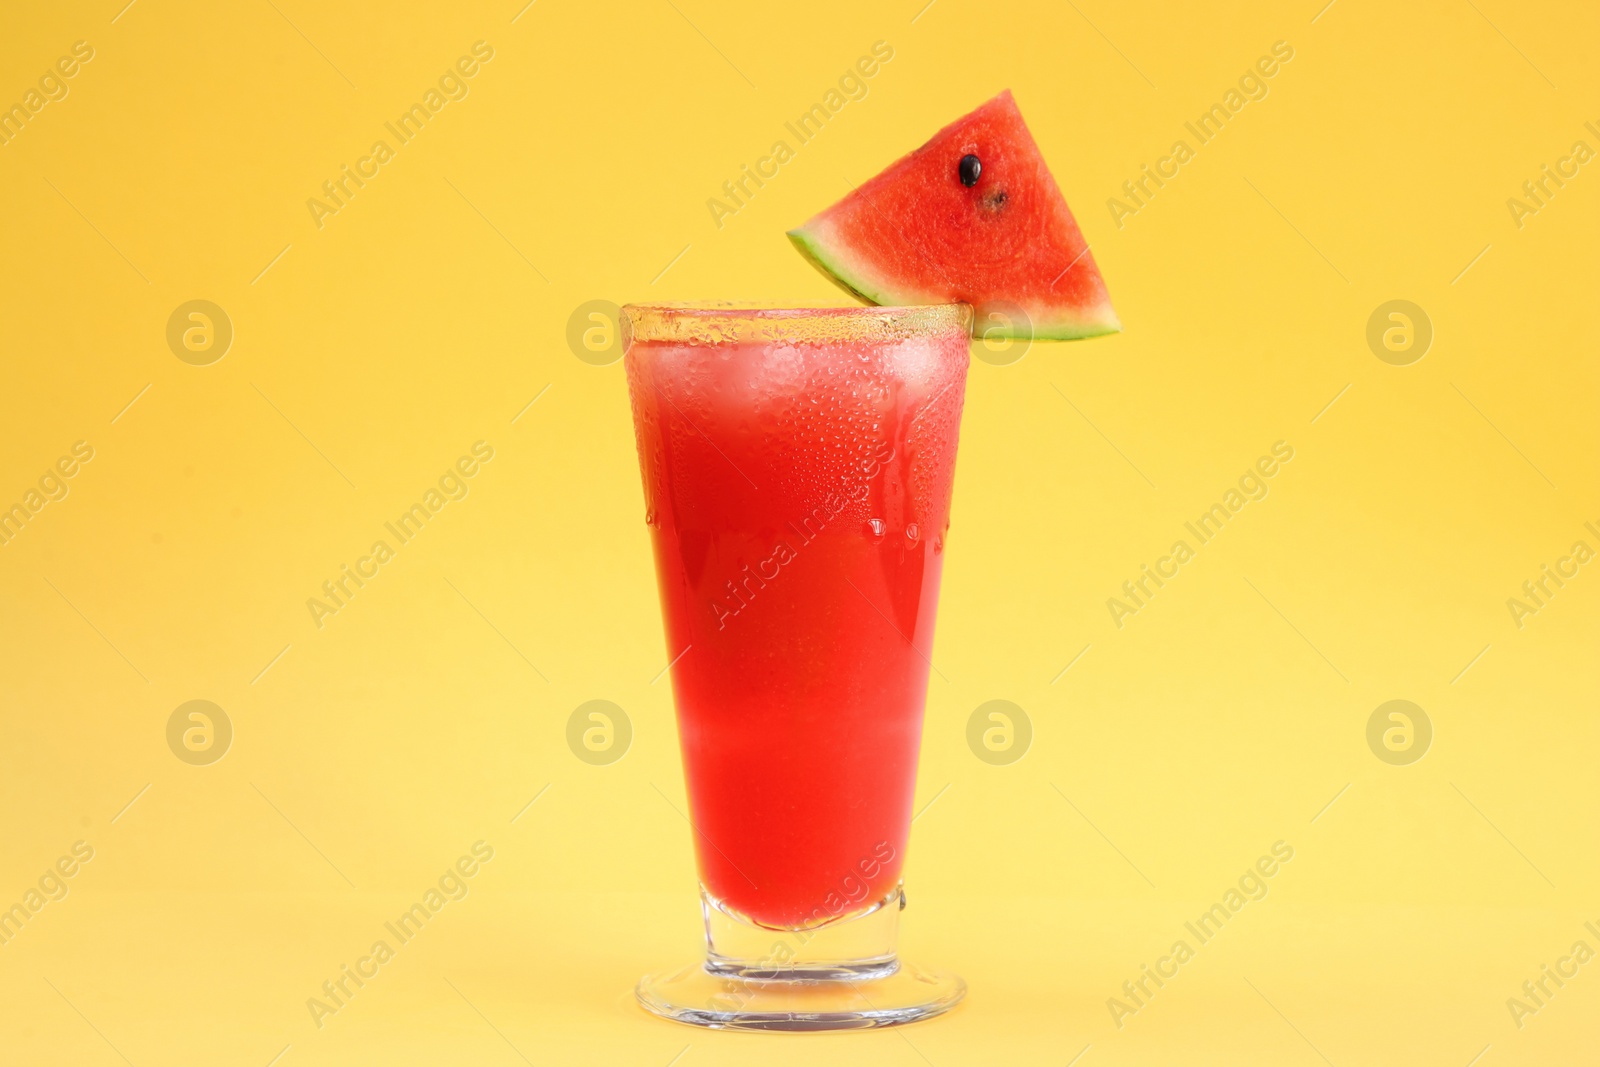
(971, 167)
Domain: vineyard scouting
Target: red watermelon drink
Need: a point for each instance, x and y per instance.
(797, 473)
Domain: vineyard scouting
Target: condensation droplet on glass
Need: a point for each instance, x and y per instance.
(875, 529)
(912, 533)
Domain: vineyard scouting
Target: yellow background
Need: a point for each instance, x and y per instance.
(428, 312)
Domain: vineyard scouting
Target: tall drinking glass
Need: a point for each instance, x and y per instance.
(797, 473)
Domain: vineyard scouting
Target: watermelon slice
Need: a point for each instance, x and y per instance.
(972, 216)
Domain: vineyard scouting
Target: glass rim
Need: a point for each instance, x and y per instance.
(727, 324)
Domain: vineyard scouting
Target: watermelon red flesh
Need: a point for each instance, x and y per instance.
(914, 234)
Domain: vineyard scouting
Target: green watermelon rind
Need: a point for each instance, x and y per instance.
(832, 267)
(811, 249)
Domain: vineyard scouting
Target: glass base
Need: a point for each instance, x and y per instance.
(694, 995)
(838, 974)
